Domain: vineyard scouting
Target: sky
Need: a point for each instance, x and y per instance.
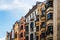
(11, 11)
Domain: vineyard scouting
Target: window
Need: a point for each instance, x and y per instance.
(37, 37)
(43, 12)
(21, 27)
(37, 17)
(31, 26)
(31, 37)
(50, 30)
(37, 28)
(27, 38)
(26, 29)
(49, 4)
(43, 25)
(35, 12)
(15, 35)
(21, 35)
(49, 16)
(42, 36)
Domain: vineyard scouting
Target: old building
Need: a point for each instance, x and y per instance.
(12, 34)
(7, 36)
(40, 23)
(19, 30)
(22, 29)
(16, 30)
(34, 20)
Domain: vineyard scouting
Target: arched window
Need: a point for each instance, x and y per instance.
(49, 16)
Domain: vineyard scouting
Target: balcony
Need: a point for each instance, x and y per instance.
(43, 15)
(37, 23)
(50, 36)
(37, 15)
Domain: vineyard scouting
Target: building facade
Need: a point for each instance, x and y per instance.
(34, 20)
(16, 30)
(42, 17)
(22, 29)
(19, 30)
(7, 36)
(30, 23)
(40, 23)
(56, 19)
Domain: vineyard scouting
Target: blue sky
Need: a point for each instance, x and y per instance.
(11, 11)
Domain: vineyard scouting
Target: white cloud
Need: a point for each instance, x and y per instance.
(2, 38)
(40, 0)
(15, 7)
(14, 4)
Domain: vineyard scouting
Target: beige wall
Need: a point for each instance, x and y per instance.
(56, 19)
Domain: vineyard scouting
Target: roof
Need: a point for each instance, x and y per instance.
(31, 10)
